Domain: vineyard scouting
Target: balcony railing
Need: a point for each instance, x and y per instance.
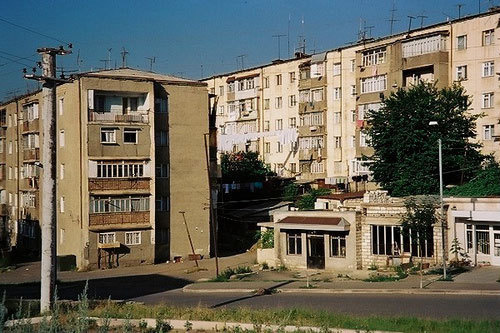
(31, 126)
(31, 154)
(109, 117)
(103, 184)
(115, 220)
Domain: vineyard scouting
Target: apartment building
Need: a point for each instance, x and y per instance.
(336, 89)
(126, 168)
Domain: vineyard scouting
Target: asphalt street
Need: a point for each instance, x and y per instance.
(424, 306)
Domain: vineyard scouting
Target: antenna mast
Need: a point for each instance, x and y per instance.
(392, 19)
(124, 57)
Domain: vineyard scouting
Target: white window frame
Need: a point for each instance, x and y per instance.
(317, 95)
(462, 42)
(488, 37)
(62, 139)
(488, 132)
(110, 135)
(337, 68)
(106, 237)
(278, 102)
(130, 131)
(279, 124)
(337, 92)
(487, 100)
(488, 69)
(133, 238)
(461, 72)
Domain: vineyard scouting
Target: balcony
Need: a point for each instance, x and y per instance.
(3, 132)
(312, 154)
(123, 220)
(312, 106)
(311, 130)
(31, 126)
(119, 184)
(31, 154)
(31, 183)
(111, 117)
(4, 209)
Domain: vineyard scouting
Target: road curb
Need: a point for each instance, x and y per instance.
(186, 289)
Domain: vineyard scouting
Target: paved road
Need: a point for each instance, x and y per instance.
(425, 306)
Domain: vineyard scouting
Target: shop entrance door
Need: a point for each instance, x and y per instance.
(495, 259)
(315, 251)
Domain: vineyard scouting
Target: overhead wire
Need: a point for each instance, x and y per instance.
(33, 31)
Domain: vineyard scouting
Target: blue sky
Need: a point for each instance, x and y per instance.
(184, 35)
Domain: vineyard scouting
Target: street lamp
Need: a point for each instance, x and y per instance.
(435, 123)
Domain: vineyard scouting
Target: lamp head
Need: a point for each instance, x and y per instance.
(433, 123)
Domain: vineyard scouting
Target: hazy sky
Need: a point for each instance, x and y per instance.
(192, 38)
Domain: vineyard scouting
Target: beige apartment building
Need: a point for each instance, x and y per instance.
(329, 95)
(131, 157)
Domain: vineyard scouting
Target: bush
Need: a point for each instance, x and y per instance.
(266, 238)
(228, 272)
(306, 202)
(290, 192)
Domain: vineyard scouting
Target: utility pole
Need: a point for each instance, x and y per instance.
(443, 227)
(49, 165)
(189, 237)
(279, 44)
(288, 35)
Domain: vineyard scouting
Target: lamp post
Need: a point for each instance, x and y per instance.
(443, 229)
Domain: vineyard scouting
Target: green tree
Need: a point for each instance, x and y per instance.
(418, 221)
(306, 202)
(485, 184)
(405, 145)
(243, 167)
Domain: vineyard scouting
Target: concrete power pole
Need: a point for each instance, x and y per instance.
(49, 173)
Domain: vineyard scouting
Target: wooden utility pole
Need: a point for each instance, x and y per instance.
(189, 237)
(49, 173)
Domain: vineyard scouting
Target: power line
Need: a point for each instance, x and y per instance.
(18, 58)
(16, 61)
(33, 31)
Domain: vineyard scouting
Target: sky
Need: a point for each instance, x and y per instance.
(195, 38)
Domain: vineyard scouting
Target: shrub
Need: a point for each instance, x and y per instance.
(266, 238)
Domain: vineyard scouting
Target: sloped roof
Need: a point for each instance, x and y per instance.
(132, 73)
(314, 223)
(343, 196)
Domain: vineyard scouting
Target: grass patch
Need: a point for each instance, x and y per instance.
(448, 278)
(228, 272)
(400, 274)
(450, 271)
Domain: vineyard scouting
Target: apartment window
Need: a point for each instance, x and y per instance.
(9, 121)
(162, 204)
(28, 199)
(278, 80)
(391, 240)
(267, 147)
(336, 117)
(294, 243)
(107, 237)
(2, 143)
(338, 142)
(108, 135)
(317, 167)
(61, 204)
(249, 84)
(266, 126)
(241, 85)
(221, 90)
(61, 106)
(292, 122)
(266, 104)
(10, 147)
(462, 42)
(488, 37)
(337, 93)
(353, 65)
(310, 142)
(317, 95)
(9, 175)
(363, 140)
(161, 138)
(61, 171)
(293, 167)
(133, 238)
(162, 170)
(292, 100)
(230, 87)
(120, 170)
(279, 124)
(374, 57)
(373, 84)
(353, 115)
(337, 68)
(221, 110)
(279, 147)
(488, 68)
(292, 77)
(30, 112)
(130, 135)
(62, 140)
(488, 132)
(487, 101)
(352, 141)
(304, 96)
(305, 73)
(353, 90)
(266, 82)
(99, 205)
(278, 102)
(311, 119)
(130, 104)
(338, 244)
(462, 72)
(161, 105)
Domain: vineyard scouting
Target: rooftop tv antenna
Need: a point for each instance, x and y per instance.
(241, 58)
(124, 54)
(152, 60)
(422, 17)
(409, 24)
(278, 37)
(459, 7)
(392, 19)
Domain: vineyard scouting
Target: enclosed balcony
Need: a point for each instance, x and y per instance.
(118, 107)
(119, 176)
(119, 212)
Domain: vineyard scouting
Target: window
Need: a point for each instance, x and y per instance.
(106, 237)
(483, 239)
(292, 77)
(61, 106)
(61, 171)
(62, 140)
(266, 104)
(266, 126)
(108, 135)
(162, 170)
(304, 96)
(353, 65)
(221, 90)
(221, 110)
(293, 167)
(249, 84)
(336, 117)
(294, 243)
(487, 101)
(374, 57)
(317, 167)
(462, 42)
(241, 85)
(373, 84)
(2, 143)
(61, 204)
(424, 45)
(391, 240)
(31, 141)
(230, 87)
(30, 112)
(292, 100)
(488, 37)
(292, 122)
(337, 244)
(337, 93)
(305, 73)
(311, 119)
(462, 72)
(267, 147)
(161, 138)
(161, 105)
(279, 124)
(278, 80)
(353, 90)
(317, 95)
(28, 199)
(279, 147)
(338, 142)
(10, 147)
(130, 135)
(120, 170)
(337, 68)
(352, 141)
(278, 102)
(488, 132)
(102, 204)
(363, 140)
(133, 238)
(130, 104)
(266, 82)
(488, 68)
(162, 204)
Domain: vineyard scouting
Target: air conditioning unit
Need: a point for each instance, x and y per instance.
(313, 128)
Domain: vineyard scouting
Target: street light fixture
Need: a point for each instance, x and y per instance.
(443, 229)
